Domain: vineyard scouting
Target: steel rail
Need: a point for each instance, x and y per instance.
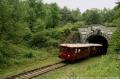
(37, 72)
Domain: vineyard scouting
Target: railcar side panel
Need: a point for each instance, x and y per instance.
(74, 52)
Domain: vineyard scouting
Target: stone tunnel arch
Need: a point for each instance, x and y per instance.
(99, 39)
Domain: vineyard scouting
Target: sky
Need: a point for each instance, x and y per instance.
(83, 5)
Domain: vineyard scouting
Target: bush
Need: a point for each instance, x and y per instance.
(116, 22)
(78, 25)
(110, 24)
(3, 60)
(38, 40)
(115, 42)
(29, 55)
(7, 53)
(52, 37)
(52, 42)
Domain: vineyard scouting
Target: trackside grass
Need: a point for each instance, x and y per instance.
(26, 66)
(28, 59)
(102, 66)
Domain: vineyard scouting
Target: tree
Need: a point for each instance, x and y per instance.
(92, 16)
(76, 15)
(107, 15)
(66, 15)
(52, 15)
(31, 19)
(116, 19)
(115, 43)
(12, 25)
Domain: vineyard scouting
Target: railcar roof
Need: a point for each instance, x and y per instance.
(79, 45)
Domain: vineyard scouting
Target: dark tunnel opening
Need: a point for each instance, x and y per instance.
(97, 39)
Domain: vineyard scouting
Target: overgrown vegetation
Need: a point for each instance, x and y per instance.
(32, 25)
(115, 42)
(94, 67)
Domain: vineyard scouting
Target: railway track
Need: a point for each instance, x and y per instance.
(37, 72)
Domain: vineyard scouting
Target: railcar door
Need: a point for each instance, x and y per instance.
(85, 52)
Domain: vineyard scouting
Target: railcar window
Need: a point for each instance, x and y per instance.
(79, 50)
(76, 50)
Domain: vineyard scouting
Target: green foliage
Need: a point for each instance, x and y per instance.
(7, 53)
(52, 15)
(117, 12)
(76, 15)
(68, 16)
(3, 61)
(12, 26)
(21, 21)
(55, 15)
(107, 15)
(110, 24)
(106, 67)
(38, 40)
(115, 43)
(52, 43)
(12, 54)
(65, 15)
(39, 25)
(95, 67)
(116, 22)
(28, 55)
(92, 17)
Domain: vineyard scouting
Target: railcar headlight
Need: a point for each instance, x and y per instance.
(68, 55)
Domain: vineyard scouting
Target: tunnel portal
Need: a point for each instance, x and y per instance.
(98, 39)
(96, 33)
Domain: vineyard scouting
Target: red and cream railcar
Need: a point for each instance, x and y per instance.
(72, 52)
